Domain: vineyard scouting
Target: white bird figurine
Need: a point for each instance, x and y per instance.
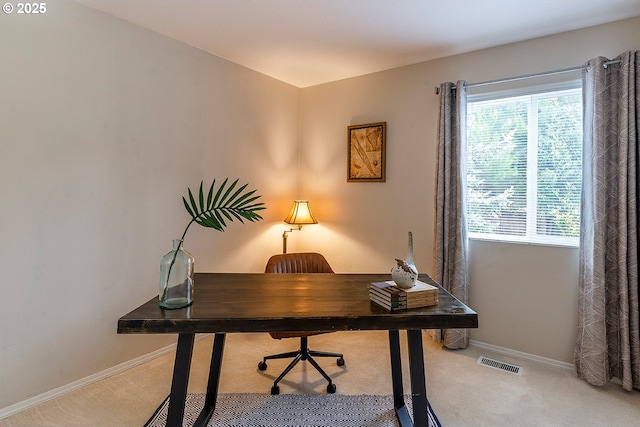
(405, 273)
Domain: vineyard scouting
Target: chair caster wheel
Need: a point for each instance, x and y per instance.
(331, 388)
(262, 366)
(340, 361)
(275, 390)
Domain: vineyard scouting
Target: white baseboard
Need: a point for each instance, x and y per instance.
(521, 355)
(57, 392)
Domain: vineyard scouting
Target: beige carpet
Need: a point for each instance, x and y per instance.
(461, 392)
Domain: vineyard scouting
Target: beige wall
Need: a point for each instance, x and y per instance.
(526, 295)
(103, 126)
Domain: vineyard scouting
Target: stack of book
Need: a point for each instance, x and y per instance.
(392, 298)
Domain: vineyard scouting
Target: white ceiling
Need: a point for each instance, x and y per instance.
(308, 42)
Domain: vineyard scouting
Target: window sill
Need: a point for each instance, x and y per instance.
(561, 242)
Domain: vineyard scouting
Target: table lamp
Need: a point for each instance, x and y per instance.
(300, 215)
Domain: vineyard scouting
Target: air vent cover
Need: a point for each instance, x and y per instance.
(496, 364)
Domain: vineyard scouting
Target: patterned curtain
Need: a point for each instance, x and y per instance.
(608, 343)
(451, 243)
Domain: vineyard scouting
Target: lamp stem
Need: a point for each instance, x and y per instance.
(285, 235)
(284, 242)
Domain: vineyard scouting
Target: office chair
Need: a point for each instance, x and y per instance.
(303, 262)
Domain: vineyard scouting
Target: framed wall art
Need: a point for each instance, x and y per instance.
(366, 152)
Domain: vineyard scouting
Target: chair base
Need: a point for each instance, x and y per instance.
(303, 354)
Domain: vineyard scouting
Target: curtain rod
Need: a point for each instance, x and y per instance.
(529, 76)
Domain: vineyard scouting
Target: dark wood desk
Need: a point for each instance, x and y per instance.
(230, 302)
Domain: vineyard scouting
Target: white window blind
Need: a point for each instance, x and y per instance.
(524, 167)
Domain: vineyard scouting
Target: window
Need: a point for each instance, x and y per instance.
(524, 167)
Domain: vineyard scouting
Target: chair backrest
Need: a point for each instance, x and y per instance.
(300, 262)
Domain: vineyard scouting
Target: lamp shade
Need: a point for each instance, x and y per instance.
(300, 214)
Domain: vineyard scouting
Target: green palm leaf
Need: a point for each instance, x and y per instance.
(226, 206)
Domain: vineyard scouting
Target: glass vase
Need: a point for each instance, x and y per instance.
(176, 278)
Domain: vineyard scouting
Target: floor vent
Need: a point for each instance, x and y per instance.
(496, 364)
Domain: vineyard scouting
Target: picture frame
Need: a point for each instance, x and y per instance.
(366, 150)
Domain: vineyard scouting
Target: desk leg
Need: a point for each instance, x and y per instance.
(181, 368)
(418, 384)
(402, 413)
(213, 382)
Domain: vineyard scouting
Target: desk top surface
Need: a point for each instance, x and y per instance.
(259, 302)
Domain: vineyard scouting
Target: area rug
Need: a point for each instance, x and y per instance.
(292, 410)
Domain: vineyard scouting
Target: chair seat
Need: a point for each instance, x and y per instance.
(281, 335)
